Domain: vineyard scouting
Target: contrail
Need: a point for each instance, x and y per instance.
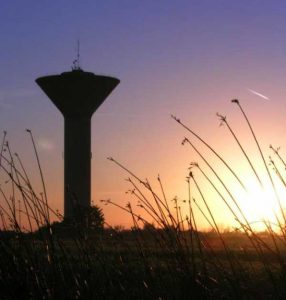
(258, 94)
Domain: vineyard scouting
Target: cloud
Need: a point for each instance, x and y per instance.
(258, 94)
(4, 105)
(45, 144)
(10, 98)
(16, 93)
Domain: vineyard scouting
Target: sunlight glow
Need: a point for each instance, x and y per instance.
(260, 204)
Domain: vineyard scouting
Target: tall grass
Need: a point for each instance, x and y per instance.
(237, 273)
(165, 255)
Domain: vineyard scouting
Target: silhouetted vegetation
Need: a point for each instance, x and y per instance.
(165, 255)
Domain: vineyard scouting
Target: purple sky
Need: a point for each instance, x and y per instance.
(187, 58)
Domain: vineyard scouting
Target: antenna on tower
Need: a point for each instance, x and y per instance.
(76, 65)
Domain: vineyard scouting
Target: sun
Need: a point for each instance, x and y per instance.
(260, 204)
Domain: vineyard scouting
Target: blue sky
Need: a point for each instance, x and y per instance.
(187, 58)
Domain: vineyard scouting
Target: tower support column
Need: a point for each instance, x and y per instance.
(77, 169)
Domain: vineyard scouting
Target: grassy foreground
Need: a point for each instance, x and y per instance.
(138, 264)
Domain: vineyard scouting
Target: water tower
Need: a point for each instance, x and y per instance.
(77, 94)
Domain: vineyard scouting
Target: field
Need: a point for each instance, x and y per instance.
(140, 264)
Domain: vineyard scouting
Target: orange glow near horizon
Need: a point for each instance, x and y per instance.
(160, 152)
(259, 204)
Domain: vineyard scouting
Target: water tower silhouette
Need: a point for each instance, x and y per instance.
(77, 94)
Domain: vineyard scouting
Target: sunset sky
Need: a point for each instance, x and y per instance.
(186, 58)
